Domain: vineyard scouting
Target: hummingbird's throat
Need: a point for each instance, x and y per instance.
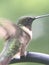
(29, 32)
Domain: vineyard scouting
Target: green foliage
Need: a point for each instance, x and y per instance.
(13, 9)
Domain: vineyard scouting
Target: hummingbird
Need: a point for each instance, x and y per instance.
(20, 33)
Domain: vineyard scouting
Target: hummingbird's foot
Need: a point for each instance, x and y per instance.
(23, 57)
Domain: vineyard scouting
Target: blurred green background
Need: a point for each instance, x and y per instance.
(13, 9)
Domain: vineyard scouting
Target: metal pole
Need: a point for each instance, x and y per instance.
(32, 57)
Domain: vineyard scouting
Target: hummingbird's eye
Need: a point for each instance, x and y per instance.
(29, 20)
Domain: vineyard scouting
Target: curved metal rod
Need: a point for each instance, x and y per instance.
(32, 57)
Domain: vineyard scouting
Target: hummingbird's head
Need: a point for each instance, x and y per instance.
(26, 21)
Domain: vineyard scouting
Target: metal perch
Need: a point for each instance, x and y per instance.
(32, 57)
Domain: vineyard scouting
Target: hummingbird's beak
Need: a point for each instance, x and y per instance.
(46, 15)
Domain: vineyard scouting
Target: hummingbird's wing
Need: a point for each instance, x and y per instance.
(6, 28)
(3, 33)
(10, 48)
